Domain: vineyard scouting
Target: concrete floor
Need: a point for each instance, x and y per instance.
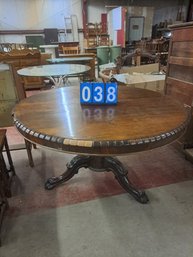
(108, 224)
(112, 226)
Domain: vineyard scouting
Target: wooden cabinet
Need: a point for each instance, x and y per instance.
(179, 77)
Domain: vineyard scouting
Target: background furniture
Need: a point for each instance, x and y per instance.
(95, 35)
(145, 76)
(57, 73)
(91, 73)
(51, 35)
(85, 60)
(10, 94)
(179, 77)
(66, 44)
(7, 47)
(5, 175)
(50, 49)
(70, 49)
(23, 58)
(35, 41)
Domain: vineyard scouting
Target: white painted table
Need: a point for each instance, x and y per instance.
(57, 73)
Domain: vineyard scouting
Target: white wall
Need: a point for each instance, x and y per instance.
(95, 8)
(36, 14)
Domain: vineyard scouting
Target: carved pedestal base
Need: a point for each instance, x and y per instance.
(98, 164)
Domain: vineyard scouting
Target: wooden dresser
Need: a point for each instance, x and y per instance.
(179, 77)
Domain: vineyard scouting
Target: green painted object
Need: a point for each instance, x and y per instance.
(114, 52)
(102, 55)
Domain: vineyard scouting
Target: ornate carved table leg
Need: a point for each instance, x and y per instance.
(114, 165)
(98, 164)
(72, 168)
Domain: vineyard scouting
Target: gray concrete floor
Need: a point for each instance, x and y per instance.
(107, 227)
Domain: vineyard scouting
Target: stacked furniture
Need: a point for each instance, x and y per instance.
(95, 36)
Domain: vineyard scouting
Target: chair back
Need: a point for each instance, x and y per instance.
(70, 49)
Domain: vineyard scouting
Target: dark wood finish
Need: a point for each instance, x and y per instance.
(141, 120)
(190, 11)
(5, 175)
(84, 131)
(179, 77)
(180, 62)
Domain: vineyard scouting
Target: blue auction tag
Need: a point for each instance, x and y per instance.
(111, 93)
(86, 95)
(98, 93)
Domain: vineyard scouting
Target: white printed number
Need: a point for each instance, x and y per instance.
(111, 94)
(99, 94)
(86, 94)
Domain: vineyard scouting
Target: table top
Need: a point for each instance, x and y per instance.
(69, 59)
(141, 120)
(51, 70)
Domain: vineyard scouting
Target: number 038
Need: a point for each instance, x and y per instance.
(98, 93)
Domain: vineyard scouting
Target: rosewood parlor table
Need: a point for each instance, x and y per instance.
(142, 120)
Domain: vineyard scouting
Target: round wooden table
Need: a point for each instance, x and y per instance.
(142, 120)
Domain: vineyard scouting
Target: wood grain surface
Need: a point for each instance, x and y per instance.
(141, 120)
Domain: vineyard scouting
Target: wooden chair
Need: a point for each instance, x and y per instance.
(12, 91)
(70, 49)
(91, 35)
(103, 40)
(5, 175)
